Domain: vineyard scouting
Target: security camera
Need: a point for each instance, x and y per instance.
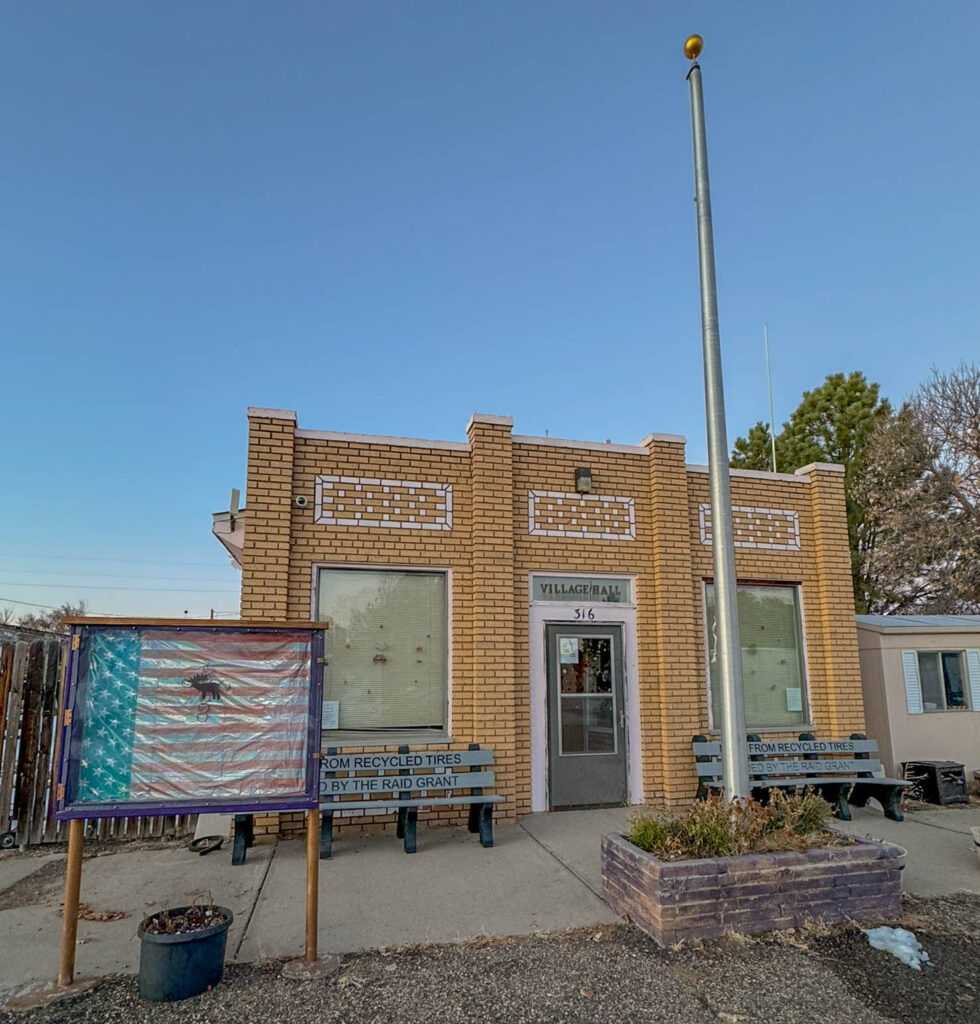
(301, 501)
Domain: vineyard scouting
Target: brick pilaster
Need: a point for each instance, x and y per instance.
(671, 689)
(268, 508)
(833, 640)
(494, 678)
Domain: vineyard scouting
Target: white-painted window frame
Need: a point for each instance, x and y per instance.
(964, 675)
(394, 735)
(808, 722)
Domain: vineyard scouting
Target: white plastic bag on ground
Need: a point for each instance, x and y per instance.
(901, 943)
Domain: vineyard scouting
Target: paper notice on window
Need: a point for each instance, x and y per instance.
(794, 698)
(568, 650)
(330, 716)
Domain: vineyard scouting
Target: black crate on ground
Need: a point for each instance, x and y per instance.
(937, 782)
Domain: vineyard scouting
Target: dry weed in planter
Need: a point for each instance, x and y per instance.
(191, 919)
(712, 829)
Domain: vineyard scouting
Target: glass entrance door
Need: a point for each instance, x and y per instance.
(586, 715)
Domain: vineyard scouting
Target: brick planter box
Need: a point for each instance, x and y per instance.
(750, 894)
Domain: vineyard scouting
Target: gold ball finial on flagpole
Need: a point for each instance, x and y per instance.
(693, 46)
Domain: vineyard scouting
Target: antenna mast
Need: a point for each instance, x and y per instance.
(772, 424)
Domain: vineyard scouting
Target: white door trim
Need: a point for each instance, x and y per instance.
(544, 612)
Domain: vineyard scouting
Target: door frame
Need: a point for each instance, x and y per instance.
(577, 761)
(544, 613)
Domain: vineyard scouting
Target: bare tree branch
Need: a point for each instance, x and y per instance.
(921, 490)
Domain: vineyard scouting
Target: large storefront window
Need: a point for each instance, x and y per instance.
(773, 679)
(386, 648)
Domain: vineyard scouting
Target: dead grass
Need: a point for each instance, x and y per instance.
(710, 828)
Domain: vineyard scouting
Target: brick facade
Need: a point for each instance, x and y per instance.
(485, 521)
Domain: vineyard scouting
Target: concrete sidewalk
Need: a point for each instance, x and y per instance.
(940, 859)
(542, 874)
(941, 856)
(372, 894)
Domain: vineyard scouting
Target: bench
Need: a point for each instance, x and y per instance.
(847, 776)
(420, 773)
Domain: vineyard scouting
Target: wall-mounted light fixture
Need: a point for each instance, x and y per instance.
(583, 479)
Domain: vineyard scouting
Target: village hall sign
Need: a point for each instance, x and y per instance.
(582, 589)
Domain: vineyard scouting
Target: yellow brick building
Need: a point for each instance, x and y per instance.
(550, 599)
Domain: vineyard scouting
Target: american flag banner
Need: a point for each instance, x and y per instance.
(178, 715)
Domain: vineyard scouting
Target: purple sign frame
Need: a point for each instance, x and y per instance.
(67, 803)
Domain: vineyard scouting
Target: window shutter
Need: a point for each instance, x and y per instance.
(913, 693)
(973, 674)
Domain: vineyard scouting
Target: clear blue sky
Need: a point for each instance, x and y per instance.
(388, 215)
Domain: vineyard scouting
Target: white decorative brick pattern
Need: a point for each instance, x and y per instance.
(587, 516)
(777, 529)
(370, 501)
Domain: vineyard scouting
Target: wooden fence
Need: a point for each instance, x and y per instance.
(32, 665)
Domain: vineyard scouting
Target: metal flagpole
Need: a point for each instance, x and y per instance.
(772, 420)
(734, 748)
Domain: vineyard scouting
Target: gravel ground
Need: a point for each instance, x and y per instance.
(611, 974)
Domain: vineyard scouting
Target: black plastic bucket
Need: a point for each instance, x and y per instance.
(180, 966)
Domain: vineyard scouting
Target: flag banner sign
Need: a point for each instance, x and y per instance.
(174, 719)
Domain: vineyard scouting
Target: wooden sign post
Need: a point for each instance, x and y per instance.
(312, 966)
(69, 914)
(312, 882)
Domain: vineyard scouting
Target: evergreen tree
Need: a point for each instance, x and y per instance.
(832, 423)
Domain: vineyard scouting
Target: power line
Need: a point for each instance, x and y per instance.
(112, 575)
(104, 615)
(71, 586)
(47, 607)
(94, 558)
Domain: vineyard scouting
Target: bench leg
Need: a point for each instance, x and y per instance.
(836, 796)
(243, 838)
(859, 795)
(410, 827)
(890, 798)
(486, 824)
(474, 822)
(891, 803)
(326, 836)
(400, 827)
